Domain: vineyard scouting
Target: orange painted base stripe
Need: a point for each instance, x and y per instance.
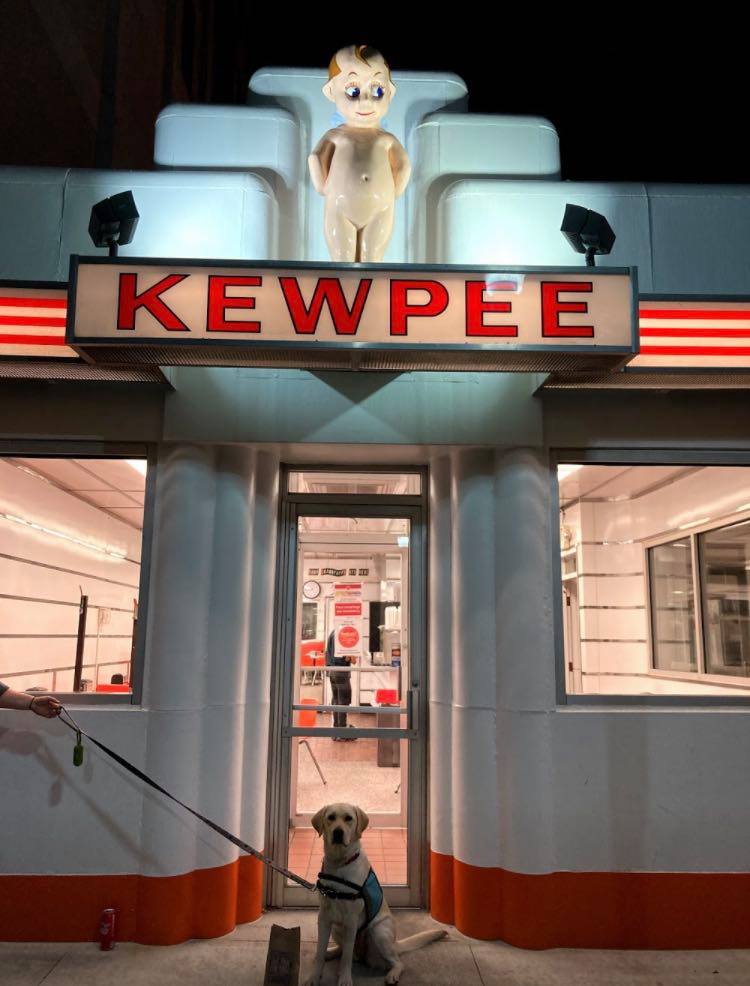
(592, 910)
(150, 910)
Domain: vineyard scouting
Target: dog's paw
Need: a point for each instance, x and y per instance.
(345, 980)
(393, 977)
(313, 981)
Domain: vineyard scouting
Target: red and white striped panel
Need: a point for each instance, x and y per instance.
(695, 333)
(32, 322)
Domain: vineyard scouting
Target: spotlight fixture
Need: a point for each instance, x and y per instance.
(587, 232)
(113, 222)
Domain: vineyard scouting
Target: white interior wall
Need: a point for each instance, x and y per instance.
(43, 576)
(615, 653)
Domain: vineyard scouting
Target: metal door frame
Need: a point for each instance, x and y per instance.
(292, 506)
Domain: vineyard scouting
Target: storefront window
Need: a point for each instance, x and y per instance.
(70, 565)
(724, 567)
(655, 561)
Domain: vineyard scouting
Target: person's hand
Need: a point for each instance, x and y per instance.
(352, 659)
(46, 706)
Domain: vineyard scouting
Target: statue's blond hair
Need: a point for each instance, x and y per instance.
(362, 53)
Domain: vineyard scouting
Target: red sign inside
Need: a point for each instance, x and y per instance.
(348, 636)
(348, 609)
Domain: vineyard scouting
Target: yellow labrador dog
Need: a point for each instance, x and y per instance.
(352, 905)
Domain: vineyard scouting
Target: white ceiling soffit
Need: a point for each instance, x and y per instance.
(111, 485)
(617, 482)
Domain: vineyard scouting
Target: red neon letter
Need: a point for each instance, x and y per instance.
(305, 320)
(218, 302)
(129, 302)
(552, 306)
(401, 310)
(476, 306)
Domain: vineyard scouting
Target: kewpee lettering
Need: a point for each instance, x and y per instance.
(129, 301)
(481, 309)
(305, 318)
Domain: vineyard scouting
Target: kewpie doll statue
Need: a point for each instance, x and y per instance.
(359, 168)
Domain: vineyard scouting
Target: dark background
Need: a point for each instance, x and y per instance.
(82, 81)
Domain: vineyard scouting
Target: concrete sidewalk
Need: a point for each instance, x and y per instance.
(239, 959)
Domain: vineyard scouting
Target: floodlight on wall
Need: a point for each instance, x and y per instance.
(587, 232)
(113, 222)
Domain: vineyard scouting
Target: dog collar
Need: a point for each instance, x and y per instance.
(351, 859)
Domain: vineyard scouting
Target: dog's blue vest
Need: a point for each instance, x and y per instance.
(371, 893)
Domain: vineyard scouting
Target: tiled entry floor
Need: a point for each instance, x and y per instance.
(239, 959)
(385, 848)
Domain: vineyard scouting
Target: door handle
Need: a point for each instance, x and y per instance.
(412, 709)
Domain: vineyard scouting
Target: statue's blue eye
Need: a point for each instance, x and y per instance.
(352, 92)
(377, 92)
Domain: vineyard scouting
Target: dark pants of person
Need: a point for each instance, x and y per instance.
(341, 685)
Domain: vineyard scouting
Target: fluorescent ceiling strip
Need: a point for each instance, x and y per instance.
(110, 552)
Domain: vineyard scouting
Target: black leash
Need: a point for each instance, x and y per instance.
(78, 759)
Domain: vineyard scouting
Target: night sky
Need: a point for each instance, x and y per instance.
(630, 101)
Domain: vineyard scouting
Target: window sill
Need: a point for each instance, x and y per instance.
(695, 678)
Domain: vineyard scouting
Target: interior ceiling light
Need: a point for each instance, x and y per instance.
(693, 523)
(110, 552)
(140, 465)
(568, 469)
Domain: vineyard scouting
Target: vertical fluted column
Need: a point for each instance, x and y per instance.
(474, 760)
(440, 652)
(207, 687)
(526, 676)
(177, 660)
(265, 522)
(222, 773)
(463, 656)
(526, 672)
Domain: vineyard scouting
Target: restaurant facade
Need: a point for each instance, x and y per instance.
(510, 491)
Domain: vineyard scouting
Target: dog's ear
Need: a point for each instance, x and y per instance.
(317, 820)
(362, 821)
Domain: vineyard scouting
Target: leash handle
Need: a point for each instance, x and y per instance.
(235, 840)
(78, 750)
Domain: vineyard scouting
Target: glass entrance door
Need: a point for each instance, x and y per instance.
(350, 669)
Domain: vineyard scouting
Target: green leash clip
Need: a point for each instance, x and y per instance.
(78, 751)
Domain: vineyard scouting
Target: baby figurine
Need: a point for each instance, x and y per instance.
(359, 168)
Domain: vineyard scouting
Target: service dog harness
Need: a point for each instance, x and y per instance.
(370, 891)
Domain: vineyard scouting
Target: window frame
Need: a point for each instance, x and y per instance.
(634, 456)
(727, 522)
(61, 449)
(648, 546)
(716, 524)
(353, 498)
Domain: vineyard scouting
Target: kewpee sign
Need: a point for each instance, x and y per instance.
(174, 304)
